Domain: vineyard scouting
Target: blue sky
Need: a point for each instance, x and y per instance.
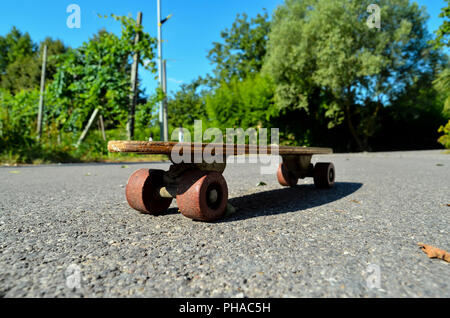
(188, 35)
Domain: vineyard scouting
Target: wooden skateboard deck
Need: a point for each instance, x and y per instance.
(165, 148)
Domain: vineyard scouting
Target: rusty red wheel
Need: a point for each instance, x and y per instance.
(324, 175)
(202, 195)
(285, 177)
(142, 192)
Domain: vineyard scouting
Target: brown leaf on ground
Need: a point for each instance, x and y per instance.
(434, 252)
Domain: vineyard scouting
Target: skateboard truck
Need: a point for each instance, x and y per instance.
(296, 167)
(200, 188)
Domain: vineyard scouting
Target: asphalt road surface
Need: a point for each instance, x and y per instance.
(67, 231)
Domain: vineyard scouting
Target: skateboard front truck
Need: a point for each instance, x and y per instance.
(200, 190)
(299, 167)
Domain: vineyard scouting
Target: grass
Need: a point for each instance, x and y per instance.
(93, 149)
(16, 160)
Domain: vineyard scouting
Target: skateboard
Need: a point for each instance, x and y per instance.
(200, 188)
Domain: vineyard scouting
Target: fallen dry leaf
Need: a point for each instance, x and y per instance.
(434, 252)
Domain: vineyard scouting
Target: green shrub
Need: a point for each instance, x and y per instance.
(445, 139)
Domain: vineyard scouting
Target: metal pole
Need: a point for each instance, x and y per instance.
(165, 123)
(161, 107)
(41, 97)
(134, 82)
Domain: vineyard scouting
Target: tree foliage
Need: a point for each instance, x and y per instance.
(243, 47)
(21, 60)
(445, 138)
(187, 105)
(18, 67)
(442, 82)
(242, 103)
(443, 32)
(97, 75)
(17, 118)
(224, 98)
(327, 44)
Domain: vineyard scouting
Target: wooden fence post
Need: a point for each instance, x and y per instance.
(41, 97)
(102, 126)
(88, 126)
(134, 85)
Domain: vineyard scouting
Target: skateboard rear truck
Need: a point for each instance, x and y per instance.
(296, 167)
(201, 190)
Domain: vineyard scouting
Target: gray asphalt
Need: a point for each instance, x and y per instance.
(59, 223)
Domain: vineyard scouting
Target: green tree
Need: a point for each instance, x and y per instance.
(442, 82)
(242, 103)
(443, 32)
(243, 48)
(18, 45)
(3, 56)
(240, 54)
(187, 105)
(21, 60)
(22, 74)
(442, 85)
(18, 67)
(328, 45)
(97, 75)
(18, 115)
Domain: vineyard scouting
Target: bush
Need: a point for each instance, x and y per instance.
(18, 122)
(445, 139)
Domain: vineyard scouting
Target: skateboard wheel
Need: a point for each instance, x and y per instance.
(285, 177)
(324, 175)
(142, 192)
(202, 195)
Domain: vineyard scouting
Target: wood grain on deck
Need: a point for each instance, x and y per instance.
(165, 148)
